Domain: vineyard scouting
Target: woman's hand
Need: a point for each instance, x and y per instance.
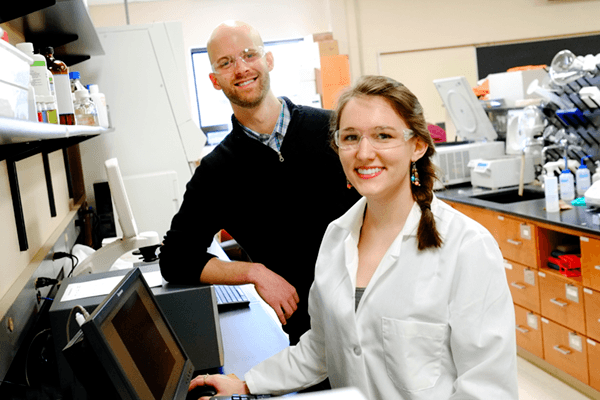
(226, 385)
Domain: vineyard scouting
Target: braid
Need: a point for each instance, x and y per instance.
(427, 234)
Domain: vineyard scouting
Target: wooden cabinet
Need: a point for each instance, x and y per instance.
(565, 349)
(592, 313)
(590, 262)
(594, 363)
(523, 285)
(517, 240)
(562, 301)
(529, 331)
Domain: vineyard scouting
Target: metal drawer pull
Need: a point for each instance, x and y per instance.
(521, 329)
(597, 267)
(517, 285)
(561, 350)
(559, 303)
(515, 242)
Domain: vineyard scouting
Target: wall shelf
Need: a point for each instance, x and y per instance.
(65, 25)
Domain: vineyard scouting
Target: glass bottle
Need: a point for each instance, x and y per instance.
(62, 85)
(85, 109)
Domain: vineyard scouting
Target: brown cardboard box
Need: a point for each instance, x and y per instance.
(319, 37)
(328, 48)
(333, 78)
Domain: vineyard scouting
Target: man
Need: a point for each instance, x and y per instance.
(274, 184)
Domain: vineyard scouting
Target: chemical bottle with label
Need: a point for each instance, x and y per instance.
(567, 187)
(76, 84)
(100, 101)
(85, 110)
(38, 71)
(583, 178)
(62, 85)
(51, 109)
(551, 190)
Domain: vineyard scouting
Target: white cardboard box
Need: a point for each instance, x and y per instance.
(14, 82)
(512, 86)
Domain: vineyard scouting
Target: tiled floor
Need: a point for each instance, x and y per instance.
(536, 384)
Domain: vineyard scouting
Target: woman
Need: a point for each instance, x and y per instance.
(410, 299)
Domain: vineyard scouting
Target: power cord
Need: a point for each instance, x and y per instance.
(80, 318)
(61, 254)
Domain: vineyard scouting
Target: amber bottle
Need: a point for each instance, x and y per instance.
(62, 84)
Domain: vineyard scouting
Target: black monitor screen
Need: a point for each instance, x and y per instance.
(140, 344)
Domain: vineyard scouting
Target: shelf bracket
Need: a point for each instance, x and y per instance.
(49, 186)
(17, 206)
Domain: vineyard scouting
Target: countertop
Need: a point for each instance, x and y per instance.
(580, 218)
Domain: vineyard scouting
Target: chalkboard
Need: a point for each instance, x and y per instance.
(499, 58)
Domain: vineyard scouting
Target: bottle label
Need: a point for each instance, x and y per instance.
(52, 116)
(62, 84)
(39, 80)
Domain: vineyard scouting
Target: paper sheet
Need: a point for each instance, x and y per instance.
(104, 286)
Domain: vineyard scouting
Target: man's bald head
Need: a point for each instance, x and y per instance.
(232, 32)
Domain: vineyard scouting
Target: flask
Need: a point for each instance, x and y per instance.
(100, 101)
(85, 110)
(62, 85)
(567, 187)
(551, 192)
(75, 81)
(583, 178)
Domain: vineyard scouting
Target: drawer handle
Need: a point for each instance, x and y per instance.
(559, 303)
(561, 350)
(515, 242)
(517, 285)
(597, 267)
(521, 329)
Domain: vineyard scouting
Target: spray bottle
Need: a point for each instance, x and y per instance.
(583, 179)
(551, 188)
(567, 186)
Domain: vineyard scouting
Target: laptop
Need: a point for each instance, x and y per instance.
(126, 348)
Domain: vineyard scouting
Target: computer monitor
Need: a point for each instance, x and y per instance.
(469, 117)
(126, 347)
(105, 257)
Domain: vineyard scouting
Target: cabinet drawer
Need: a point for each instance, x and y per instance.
(517, 240)
(523, 285)
(590, 262)
(562, 301)
(593, 348)
(565, 349)
(529, 331)
(592, 313)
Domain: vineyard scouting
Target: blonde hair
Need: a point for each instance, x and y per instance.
(409, 109)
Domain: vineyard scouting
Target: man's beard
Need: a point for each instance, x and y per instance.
(265, 84)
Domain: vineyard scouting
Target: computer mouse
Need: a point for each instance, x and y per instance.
(201, 391)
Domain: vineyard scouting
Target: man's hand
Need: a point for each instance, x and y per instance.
(226, 385)
(276, 292)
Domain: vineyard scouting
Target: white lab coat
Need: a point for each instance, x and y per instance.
(435, 324)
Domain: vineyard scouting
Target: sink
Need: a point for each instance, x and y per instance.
(510, 196)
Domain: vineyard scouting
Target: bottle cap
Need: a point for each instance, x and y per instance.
(81, 94)
(74, 75)
(25, 47)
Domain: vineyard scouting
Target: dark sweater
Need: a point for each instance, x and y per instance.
(277, 211)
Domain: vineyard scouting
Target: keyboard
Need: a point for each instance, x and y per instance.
(242, 397)
(230, 297)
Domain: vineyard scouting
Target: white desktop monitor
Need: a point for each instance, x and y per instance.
(103, 259)
(120, 199)
(469, 117)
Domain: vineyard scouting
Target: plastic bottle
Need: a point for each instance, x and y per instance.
(40, 108)
(62, 85)
(567, 187)
(100, 101)
(583, 179)
(85, 110)
(551, 192)
(38, 70)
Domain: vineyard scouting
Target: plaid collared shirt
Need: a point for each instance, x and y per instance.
(275, 139)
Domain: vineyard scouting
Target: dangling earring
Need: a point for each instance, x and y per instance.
(414, 175)
(348, 184)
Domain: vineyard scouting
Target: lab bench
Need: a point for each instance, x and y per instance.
(557, 316)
